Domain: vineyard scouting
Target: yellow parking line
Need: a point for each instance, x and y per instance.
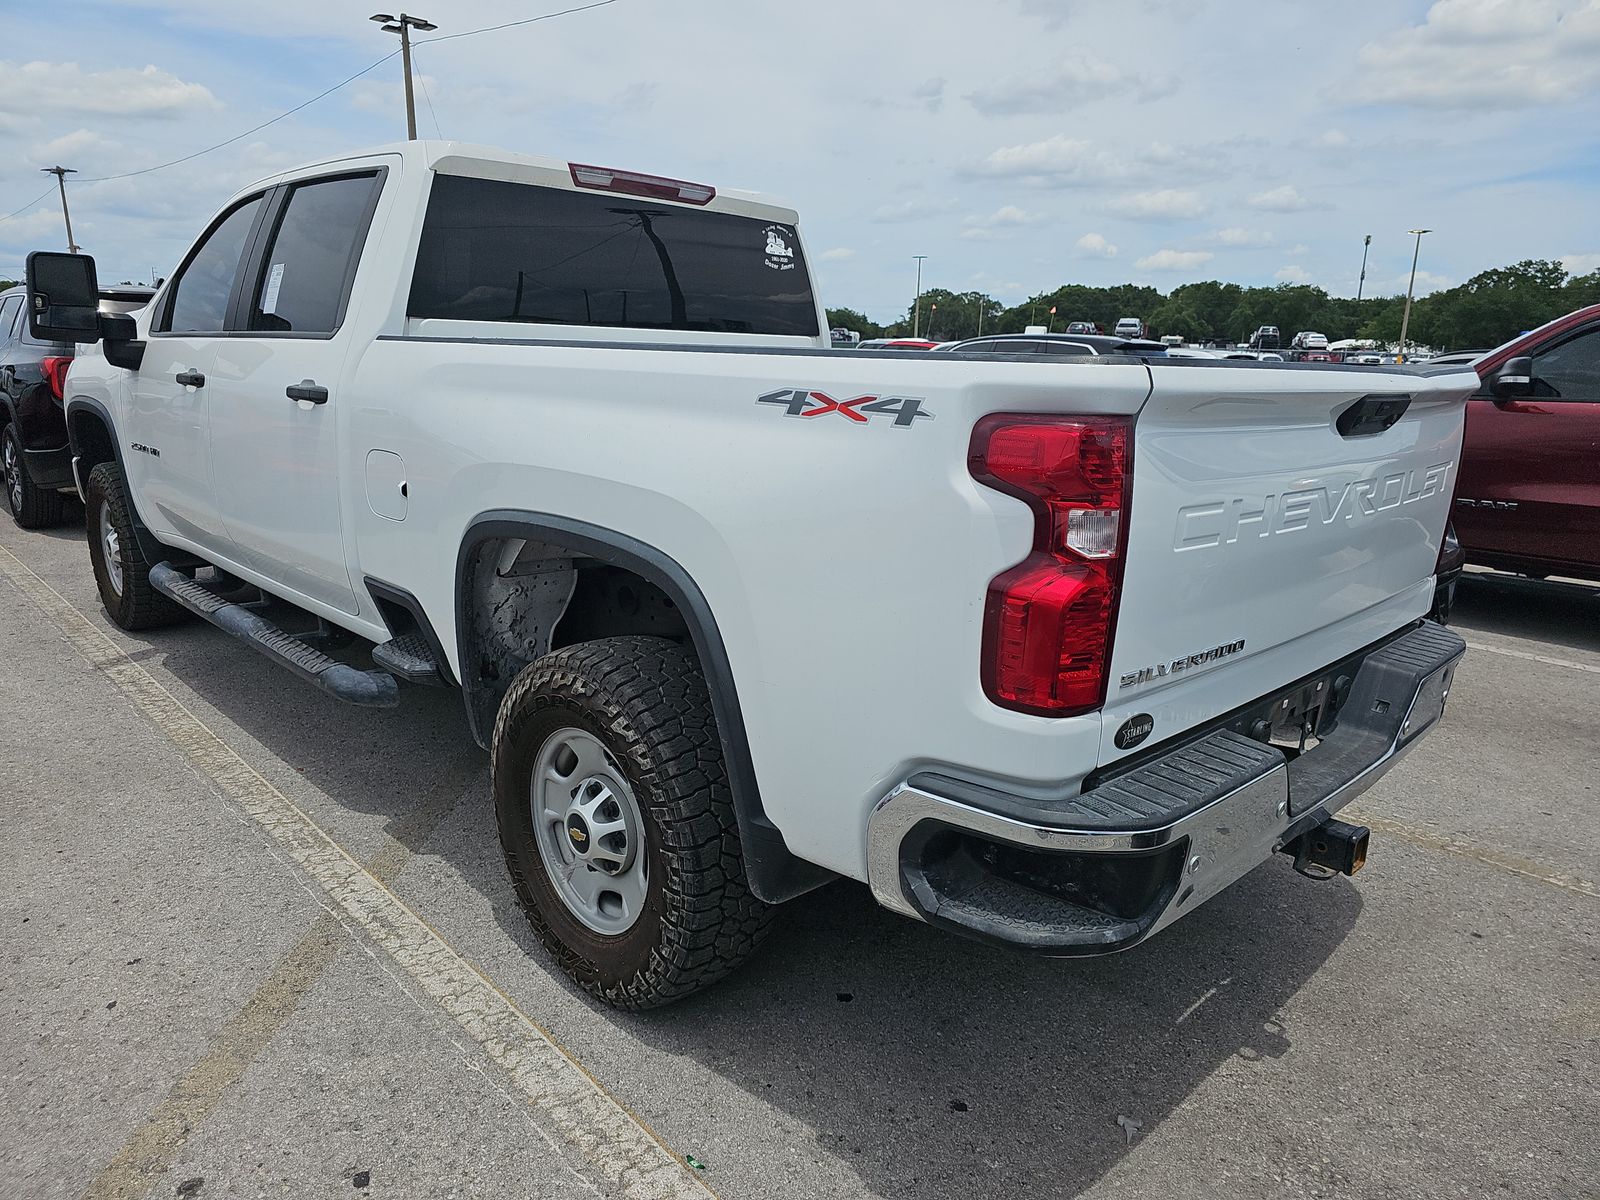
(1528, 656)
(624, 1152)
(1486, 855)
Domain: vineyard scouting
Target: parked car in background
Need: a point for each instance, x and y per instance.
(1306, 340)
(1084, 327)
(35, 464)
(1129, 327)
(1528, 493)
(896, 344)
(1061, 344)
(1265, 338)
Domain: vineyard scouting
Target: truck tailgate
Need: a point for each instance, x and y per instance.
(1264, 541)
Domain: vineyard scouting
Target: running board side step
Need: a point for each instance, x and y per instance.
(409, 657)
(371, 689)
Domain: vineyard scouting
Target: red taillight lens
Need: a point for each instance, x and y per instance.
(1048, 620)
(55, 375)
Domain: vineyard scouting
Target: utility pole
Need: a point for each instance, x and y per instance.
(1362, 282)
(1405, 321)
(403, 25)
(916, 317)
(61, 174)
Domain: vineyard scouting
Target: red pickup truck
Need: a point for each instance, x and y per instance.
(1528, 493)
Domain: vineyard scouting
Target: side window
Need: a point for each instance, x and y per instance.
(10, 309)
(312, 258)
(1074, 348)
(1570, 371)
(199, 301)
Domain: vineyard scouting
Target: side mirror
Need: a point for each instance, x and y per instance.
(122, 349)
(63, 297)
(1513, 379)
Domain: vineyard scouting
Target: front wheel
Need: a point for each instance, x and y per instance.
(121, 570)
(617, 821)
(32, 507)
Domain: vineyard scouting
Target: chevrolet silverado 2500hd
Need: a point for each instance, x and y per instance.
(1044, 651)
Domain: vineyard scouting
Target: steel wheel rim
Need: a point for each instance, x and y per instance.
(13, 471)
(590, 834)
(112, 545)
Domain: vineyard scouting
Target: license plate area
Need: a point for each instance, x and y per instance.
(1298, 716)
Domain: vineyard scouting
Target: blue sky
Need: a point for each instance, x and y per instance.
(1018, 144)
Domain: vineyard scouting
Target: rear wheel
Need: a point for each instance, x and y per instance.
(121, 570)
(31, 506)
(617, 822)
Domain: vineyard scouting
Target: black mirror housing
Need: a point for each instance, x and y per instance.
(1513, 379)
(63, 297)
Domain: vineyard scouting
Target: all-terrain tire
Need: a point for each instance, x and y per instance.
(646, 701)
(32, 507)
(129, 599)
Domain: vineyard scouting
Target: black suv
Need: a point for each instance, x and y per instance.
(35, 464)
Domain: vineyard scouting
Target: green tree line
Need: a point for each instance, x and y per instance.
(1490, 308)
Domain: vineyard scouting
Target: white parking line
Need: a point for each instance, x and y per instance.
(1538, 658)
(621, 1149)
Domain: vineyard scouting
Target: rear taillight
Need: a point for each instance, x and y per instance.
(631, 183)
(55, 375)
(1048, 621)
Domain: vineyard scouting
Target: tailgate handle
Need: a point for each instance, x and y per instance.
(1371, 414)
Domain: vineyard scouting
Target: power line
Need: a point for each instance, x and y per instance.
(28, 205)
(327, 92)
(236, 137)
(427, 97)
(512, 24)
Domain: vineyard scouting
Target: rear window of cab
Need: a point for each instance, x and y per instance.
(493, 250)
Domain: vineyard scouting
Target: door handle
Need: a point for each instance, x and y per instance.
(190, 378)
(307, 389)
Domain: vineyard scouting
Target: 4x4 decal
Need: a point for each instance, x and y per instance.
(804, 402)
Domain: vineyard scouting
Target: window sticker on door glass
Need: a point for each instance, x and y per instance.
(269, 297)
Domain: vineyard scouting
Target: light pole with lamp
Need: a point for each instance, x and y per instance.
(403, 25)
(61, 174)
(1405, 321)
(916, 308)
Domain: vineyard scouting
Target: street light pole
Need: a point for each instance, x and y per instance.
(916, 311)
(1405, 321)
(403, 25)
(1361, 283)
(61, 174)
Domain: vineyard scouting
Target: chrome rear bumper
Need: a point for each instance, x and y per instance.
(1103, 870)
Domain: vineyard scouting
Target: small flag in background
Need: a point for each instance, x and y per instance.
(1052, 310)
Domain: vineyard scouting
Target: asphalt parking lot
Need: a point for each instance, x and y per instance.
(253, 942)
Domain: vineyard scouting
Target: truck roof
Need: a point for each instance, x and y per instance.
(492, 162)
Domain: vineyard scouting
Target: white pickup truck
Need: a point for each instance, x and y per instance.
(1046, 651)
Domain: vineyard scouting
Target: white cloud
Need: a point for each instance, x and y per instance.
(1488, 54)
(1058, 161)
(1292, 273)
(915, 209)
(929, 94)
(1285, 199)
(1006, 217)
(838, 254)
(1174, 260)
(1244, 238)
(46, 87)
(1580, 264)
(1165, 204)
(1092, 245)
(1078, 79)
(1332, 139)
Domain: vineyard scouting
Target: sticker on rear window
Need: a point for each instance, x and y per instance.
(780, 255)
